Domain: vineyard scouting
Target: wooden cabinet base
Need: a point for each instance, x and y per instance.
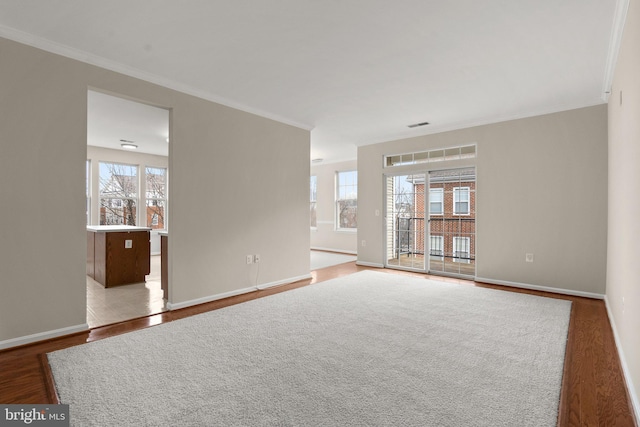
(119, 257)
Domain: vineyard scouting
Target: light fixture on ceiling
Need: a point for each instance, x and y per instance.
(316, 160)
(418, 124)
(128, 145)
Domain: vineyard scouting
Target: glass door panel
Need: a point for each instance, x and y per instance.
(405, 221)
(452, 219)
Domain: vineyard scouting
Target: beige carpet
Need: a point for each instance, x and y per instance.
(369, 349)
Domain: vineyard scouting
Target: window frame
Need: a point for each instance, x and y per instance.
(439, 190)
(339, 200)
(440, 239)
(162, 199)
(120, 199)
(88, 191)
(456, 199)
(455, 252)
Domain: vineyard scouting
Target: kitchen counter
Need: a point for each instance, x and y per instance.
(118, 254)
(115, 228)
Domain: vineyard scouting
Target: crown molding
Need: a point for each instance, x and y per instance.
(98, 61)
(489, 120)
(619, 19)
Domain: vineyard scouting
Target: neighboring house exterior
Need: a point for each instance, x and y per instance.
(452, 215)
(119, 201)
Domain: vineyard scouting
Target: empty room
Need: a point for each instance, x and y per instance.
(471, 169)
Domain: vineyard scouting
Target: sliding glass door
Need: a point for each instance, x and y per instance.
(452, 221)
(405, 221)
(430, 221)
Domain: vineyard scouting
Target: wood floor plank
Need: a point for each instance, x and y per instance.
(593, 390)
(567, 395)
(588, 375)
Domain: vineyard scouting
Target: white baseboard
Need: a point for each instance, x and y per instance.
(369, 264)
(561, 291)
(284, 282)
(340, 251)
(41, 336)
(189, 303)
(631, 389)
(203, 300)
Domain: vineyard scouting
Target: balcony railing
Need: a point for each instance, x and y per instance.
(409, 240)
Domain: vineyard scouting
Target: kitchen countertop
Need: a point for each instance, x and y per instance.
(115, 228)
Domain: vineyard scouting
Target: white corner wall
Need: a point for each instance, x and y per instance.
(325, 236)
(541, 189)
(238, 185)
(623, 249)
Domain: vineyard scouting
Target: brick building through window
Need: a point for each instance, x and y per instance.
(451, 220)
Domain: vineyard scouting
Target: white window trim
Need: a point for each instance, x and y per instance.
(89, 166)
(338, 228)
(457, 190)
(431, 156)
(468, 252)
(441, 239)
(136, 199)
(164, 199)
(441, 191)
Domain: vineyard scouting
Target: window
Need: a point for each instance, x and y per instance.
(436, 201)
(436, 248)
(88, 186)
(461, 250)
(313, 193)
(346, 200)
(118, 194)
(156, 198)
(461, 201)
(439, 155)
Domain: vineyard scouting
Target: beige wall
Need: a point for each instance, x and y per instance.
(541, 189)
(623, 268)
(238, 185)
(325, 235)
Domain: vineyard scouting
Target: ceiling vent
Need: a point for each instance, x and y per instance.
(418, 124)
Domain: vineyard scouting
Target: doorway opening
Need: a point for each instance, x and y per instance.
(430, 222)
(127, 186)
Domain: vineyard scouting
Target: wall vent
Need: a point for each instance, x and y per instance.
(418, 124)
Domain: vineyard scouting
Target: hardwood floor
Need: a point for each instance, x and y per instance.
(593, 389)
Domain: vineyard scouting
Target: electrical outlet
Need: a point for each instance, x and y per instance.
(249, 259)
(256, 259)
(128, 244)
(364, 243)
(528, 257)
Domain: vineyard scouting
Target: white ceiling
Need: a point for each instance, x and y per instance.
(353, 71)
(110, 120)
